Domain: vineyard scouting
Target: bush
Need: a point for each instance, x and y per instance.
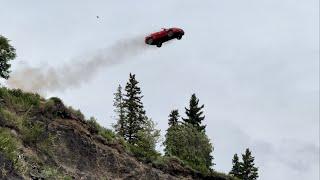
(32, 132)
(144, 148)
(77, 113)
(18, 99)
(95, 127)
(189, 145)
(9, 118)
(107, 134)
(54, 108)
(8, 145)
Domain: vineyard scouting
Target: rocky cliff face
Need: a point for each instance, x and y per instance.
(54, 142)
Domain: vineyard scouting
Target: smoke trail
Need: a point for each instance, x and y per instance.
(37, 79)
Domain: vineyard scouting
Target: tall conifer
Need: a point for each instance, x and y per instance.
(194, 113)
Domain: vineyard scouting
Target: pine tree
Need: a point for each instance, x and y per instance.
(249, 171)
(134, 112)
(236, 167)
(174, 118)
(118, 103)
(194, 113)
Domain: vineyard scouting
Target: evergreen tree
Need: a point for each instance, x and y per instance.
(236, 167)
(174, 117)
(118, 103)
(249, 171)
(7, 53)
(134, 113)
(194, 113)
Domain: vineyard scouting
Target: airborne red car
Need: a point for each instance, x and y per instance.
(165, 35)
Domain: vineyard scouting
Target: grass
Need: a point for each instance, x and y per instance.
(108, 134)
(8, 145)
(11, 118)
(18, 100)
(32, 132)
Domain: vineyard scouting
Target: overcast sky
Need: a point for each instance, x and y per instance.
(254, 64)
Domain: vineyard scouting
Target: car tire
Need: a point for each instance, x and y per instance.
(159, 45)
(170, 33)
(179, 37)
(149, 41)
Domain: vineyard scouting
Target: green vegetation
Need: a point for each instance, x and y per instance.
(194, 113)
(53, 173)
(174, 118)
(32, 132)
(108, 134)
(132, 123)
(188, 140)
(8, 145)
(245, 169)
(120, 112)
(236, 167)
(7, 53)
(18, 100)
(190, 145)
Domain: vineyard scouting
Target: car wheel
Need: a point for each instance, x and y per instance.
(150, 41)
(179, 37)
(170, 33)
(159, 44)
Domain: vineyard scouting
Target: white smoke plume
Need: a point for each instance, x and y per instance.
(42, 80)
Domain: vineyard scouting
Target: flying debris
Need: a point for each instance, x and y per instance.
(165, 35)
(98, 17)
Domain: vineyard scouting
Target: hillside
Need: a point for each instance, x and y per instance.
(43, 139)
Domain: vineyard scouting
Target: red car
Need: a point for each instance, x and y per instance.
(165, 35)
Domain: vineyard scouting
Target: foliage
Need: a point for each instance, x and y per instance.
(194, 113)
(11, 119)
(8, 145)
(107, 133)
(77, 113)
(120, 112)
(190, 145)
(32, 132)
(16, 99)
(7, 53)
(173, 117)
(246, 169)
(249, 171)
(53, 173)
(147, 138)
(132, 123)
(236, 167)
(135, 114)
(104, 132)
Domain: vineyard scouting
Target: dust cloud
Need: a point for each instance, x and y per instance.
(42, 80)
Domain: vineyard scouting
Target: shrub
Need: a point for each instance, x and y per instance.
(54, 108)
(11, 119)
(95, 127)
(8, 145)
(107, 133)
(18, 99)
(189, 145)
(32, 132)
(77, 113)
